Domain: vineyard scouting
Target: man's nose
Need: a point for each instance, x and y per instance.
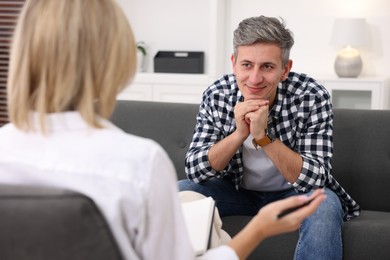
(256, 76)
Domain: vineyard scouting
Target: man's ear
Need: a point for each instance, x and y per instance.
(233, 60)
(287, 69)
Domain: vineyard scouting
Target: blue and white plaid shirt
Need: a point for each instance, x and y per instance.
(301, 118)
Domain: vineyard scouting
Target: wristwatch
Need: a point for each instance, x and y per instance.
(267, 139)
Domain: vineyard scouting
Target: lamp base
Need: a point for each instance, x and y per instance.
(348, 63)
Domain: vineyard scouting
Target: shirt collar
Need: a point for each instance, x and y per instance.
(278, 104)
(63, 121)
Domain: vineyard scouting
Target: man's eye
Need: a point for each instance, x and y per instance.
(246, 65)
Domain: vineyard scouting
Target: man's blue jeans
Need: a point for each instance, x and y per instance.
(319, 235)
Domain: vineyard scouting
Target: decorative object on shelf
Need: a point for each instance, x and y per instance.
(179, 62)
(141, 56)
(348, 32)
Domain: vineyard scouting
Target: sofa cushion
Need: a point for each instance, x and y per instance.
(170, 124)
(364, 237)
(361, 159)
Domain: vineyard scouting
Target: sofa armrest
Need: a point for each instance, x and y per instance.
(50, 223)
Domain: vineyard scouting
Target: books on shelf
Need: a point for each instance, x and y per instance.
(198, 216)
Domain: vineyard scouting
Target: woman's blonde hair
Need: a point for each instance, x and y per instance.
(69, 55)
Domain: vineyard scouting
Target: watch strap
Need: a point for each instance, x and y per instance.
(263, 141)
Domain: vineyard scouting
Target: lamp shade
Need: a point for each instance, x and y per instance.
(350, 31)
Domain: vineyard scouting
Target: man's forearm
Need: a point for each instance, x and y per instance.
(288, 162)
(223, 151)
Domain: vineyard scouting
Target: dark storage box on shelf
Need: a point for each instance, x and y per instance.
(179, 62)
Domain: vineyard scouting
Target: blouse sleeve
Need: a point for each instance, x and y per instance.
(166, 234)
(221, 252)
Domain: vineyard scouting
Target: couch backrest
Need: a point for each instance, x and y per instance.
(170, 124)
(361, 161)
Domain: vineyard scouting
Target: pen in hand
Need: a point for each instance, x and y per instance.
(292, 209)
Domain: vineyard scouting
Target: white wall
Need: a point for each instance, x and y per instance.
(185, 25)
(170, 25)
(312, 22)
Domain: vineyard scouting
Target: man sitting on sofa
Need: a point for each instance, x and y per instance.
(265, 133)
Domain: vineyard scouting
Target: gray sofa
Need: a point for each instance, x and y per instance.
(361, 163)
(42, 223)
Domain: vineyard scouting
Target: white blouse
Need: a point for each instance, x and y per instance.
(131, 179)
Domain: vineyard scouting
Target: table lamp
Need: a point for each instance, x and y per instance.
(349, 33)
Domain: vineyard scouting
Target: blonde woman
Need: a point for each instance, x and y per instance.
(69, 60)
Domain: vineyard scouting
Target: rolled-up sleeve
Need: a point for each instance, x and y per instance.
(315, 144)
(206, 134)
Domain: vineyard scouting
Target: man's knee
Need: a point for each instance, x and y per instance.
(330, 209)
(209, 188)
(186, 185)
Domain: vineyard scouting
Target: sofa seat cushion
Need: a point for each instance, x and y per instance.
(367, 233)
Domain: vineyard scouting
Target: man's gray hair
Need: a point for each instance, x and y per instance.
(264, 29)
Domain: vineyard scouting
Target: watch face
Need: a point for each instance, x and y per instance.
(271, 131)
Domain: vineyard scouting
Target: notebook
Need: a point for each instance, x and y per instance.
(198, 216)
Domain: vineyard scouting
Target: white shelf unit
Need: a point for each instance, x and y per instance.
(355, 93)
(167, 87)
(358, 93)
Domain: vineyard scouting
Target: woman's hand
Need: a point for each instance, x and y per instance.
(271, 224)
(267, 223)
